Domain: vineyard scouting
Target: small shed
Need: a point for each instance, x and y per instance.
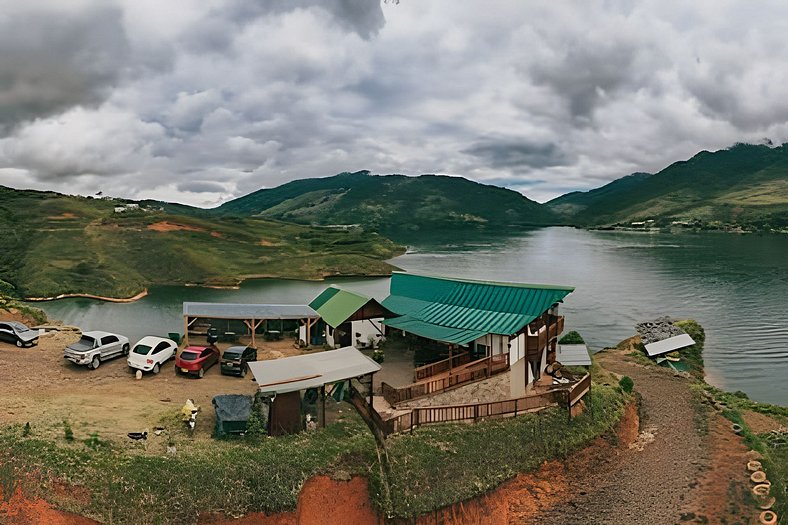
(351, 318)
(252, 315)
(573, 355)
(232, 413)
(284, 379)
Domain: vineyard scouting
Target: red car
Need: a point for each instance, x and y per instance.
(196, 360)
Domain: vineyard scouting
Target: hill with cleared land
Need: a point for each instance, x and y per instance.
(56, 244)
(745, 185)
(397, 206)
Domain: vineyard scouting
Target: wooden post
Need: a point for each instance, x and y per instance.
(371, 379)
(185, 331)
(450, 348)
(308, 333)
(323, 403)
(254, 329)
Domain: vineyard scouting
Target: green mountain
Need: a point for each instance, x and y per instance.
(397, 206)
(56, 244)
(745, 185)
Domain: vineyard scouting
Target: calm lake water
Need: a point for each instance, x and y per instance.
(736, 286)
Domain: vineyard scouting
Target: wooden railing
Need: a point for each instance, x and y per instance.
(474, 412)
(579, 389)
(535, 343)
(474, 371)
(443, 365)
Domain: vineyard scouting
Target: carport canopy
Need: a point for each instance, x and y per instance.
(251, 314)
(289, 374)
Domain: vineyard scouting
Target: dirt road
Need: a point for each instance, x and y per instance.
(672, 474)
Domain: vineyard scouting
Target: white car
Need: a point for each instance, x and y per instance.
(151, 352)
(95, 347)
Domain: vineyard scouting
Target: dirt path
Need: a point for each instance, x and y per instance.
(649, 483)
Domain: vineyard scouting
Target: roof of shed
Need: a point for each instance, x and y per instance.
(335, 305)
(461, 310)
(248, 311)
(668, 345)
(289, 374)
(573, 355)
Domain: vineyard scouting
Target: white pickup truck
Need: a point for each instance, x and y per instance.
(95, 347)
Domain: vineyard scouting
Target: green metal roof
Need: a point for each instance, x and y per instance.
(335, 305)
(434, 331)
(467, 306)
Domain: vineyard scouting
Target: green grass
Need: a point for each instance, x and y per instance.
(433, 467)
(444, 464)
(59, 244)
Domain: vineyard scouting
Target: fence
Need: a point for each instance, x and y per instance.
(474, 371)
(437, 367)
(473, 413)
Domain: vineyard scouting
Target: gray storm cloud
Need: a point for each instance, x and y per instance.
(54, 61)
(193, 101)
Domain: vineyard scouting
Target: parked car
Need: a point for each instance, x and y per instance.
(93, 348)
(17, 333)
(234, 360)
(150, 353)
(196, 360)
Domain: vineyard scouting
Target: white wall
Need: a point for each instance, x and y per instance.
(365, 329)
(367, 333)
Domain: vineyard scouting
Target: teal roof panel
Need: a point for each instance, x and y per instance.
(480, 306)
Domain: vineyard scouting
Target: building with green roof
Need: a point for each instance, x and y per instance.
(486, 317)
(351, 318)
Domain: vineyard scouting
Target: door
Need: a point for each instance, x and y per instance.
(162, 352)
(6, 333)
(110, 345)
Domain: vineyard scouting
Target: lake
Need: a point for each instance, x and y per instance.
(736, 286)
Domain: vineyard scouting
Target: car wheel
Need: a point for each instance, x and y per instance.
(19, 343)
(156, 368)
(243, 370)
(126, 349)
(96, 362)
(201, 372)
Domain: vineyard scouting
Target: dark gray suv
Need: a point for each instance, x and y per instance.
(234, 360)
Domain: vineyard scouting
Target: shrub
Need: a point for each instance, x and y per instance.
(571, 338)
(627, 384)
(67, 432)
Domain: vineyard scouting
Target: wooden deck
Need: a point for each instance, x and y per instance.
(559, 395)
(451, 378)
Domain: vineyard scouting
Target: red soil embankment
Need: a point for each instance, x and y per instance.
(19, 510)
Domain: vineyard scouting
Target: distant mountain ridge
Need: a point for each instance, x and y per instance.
(744, 185)
(397, 206)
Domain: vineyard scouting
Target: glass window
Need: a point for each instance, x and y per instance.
(108, 340)
(141, 349)
(160, 347)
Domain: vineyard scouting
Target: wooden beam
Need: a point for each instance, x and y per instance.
(291, 380)
(186, 325)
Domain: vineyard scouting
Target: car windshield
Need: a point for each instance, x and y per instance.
(189, 356)
(86, 343)
(18, 327)
(232, 354)
(141, 349)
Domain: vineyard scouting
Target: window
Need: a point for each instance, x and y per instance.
(159, 347)
(109, 339)
(206, 352)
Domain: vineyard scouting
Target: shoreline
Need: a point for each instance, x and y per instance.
(137, 297)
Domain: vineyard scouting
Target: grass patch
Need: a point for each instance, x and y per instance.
(443, 464)
(571, 338)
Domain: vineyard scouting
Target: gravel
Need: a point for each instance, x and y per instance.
(646, 484)
(657, 330)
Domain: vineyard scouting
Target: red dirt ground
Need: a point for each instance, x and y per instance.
(20, 510)
(323, 501)
(165, 226)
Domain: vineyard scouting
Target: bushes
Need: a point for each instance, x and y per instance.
(571, 338)
(627, 384)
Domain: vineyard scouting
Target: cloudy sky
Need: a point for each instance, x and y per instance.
(200, 101)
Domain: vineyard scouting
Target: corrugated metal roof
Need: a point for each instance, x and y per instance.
(248, 311)
(289, 374)
(433, 331)
(335, 305)
(573, 355)
(478, 306)
(668, 345)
